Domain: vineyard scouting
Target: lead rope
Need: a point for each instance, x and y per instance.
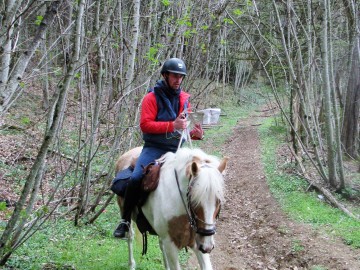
(185, 134)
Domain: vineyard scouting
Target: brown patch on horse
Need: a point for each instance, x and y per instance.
(180, 232)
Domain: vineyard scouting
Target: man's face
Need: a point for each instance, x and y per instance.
(174, 80)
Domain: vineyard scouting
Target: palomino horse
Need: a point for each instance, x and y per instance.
(184, 207)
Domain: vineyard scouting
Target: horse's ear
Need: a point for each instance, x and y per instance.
(222, 164)
(194, 168)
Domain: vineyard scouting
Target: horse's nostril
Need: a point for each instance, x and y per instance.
(201, 248)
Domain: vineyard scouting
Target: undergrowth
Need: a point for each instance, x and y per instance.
(60, 245)
(290, 191)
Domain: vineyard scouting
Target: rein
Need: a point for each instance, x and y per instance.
(191, 214)
(185, 133)
(191, 219)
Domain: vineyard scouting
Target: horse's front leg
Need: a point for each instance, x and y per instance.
(170, 254)
(166, 264)
(131, 234)
(203, 259)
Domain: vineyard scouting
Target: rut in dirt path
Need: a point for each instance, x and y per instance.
(253, 232)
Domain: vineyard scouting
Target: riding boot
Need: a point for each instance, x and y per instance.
(130, 201)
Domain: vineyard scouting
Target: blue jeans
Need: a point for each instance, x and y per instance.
(147, 155)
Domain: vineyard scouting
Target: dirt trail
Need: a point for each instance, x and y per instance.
(253, 232)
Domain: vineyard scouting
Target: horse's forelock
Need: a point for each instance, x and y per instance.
(208, 179)
(208, 183)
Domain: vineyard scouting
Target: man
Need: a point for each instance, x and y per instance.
(163, 117)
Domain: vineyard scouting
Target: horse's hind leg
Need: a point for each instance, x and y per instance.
(203, 259)
(132, 264)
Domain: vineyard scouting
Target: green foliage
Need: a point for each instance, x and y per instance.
(25, 120)
(203, 48)
(115, 45)
(151, 55)
(190, 32)
(38, 20)
(166, 3)
(77, 75)
(228, 21)
(205, 27)
(22, 85)
(299, 204)
(2, 206)
(185, 21)
(42, 211)
(89, 247)
(238, 12)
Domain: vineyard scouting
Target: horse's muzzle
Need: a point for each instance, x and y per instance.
(203, 250)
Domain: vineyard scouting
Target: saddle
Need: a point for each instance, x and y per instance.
(151, 177)
(149, 183)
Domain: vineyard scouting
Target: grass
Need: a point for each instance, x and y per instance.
(290, 192)
(93, 247)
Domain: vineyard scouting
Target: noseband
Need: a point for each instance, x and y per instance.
(193, 218)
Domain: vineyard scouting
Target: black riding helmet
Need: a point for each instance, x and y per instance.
(174, 65)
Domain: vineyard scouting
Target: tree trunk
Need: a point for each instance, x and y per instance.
(350, 132)
(339, 169)
(85, 183)
(133, 47)
(328, 104)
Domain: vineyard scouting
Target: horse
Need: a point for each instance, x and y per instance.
(183, 210)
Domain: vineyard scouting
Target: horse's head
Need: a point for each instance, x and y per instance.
(205, 195)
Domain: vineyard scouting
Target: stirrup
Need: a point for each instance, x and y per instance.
(122, 229)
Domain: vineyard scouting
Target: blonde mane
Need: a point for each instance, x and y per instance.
(209, 180)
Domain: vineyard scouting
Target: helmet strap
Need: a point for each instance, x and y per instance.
(166, 78)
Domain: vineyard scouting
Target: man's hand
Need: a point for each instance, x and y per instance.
(197, 132)
(180, 122)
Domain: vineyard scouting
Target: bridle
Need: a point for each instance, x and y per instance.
(193, 218)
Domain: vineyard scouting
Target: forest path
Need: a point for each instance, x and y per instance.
(252, 231)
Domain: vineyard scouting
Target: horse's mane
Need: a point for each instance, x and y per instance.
(210, 183)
